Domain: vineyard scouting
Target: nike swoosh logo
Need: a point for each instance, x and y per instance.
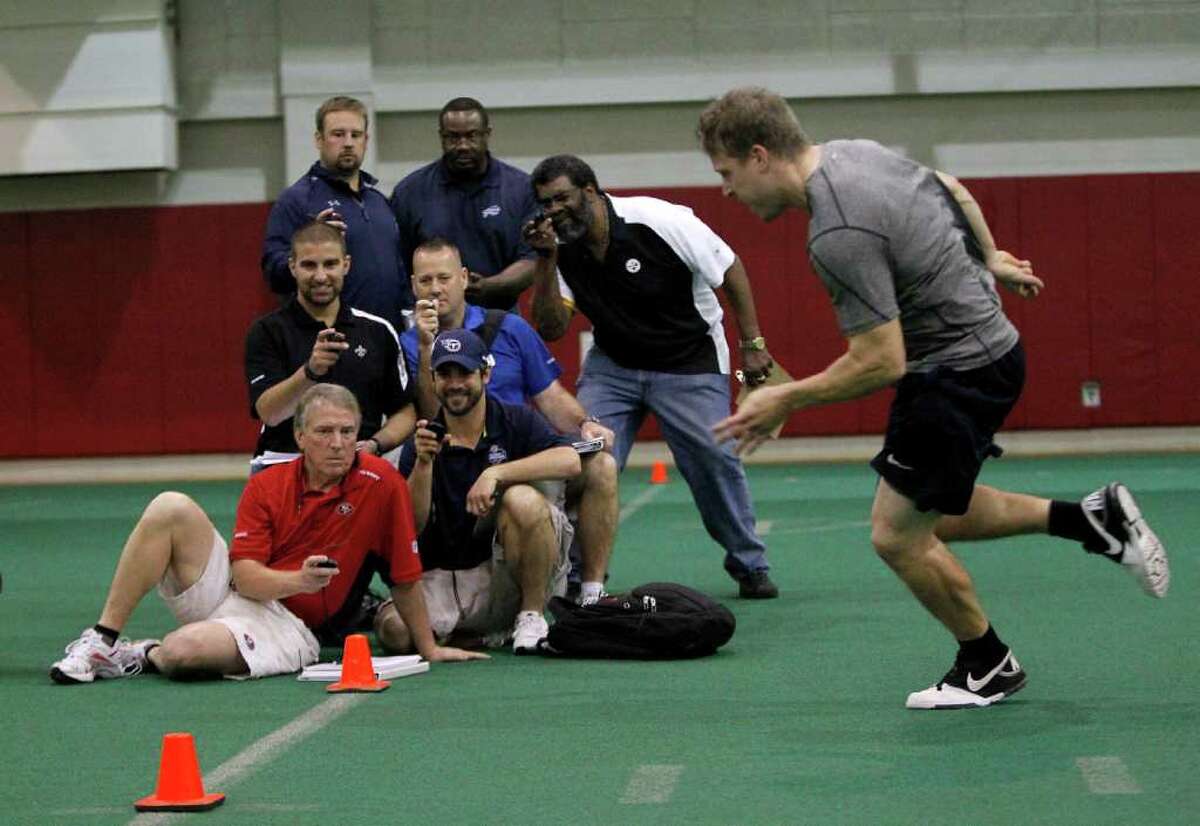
(974, 685)
(891, 460)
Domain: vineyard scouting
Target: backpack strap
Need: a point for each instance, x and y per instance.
(492, 319)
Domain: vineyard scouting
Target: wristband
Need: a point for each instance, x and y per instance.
(310, 375)
(378, 446)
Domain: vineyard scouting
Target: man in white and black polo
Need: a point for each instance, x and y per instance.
(645, 272)
(315, 338)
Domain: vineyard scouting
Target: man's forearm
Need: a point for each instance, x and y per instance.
(426, 400)
(420, 487)
(278, 403)
(399, 426)
(874, 360)
(972, 211)
(507, 285)
(560, 408)
(552, 463)
(741, 300)
(550, 316)
(256, 581)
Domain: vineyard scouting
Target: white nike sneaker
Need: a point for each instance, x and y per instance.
(91, 658)
(530, 629)
(960, 689)
(1124, 537)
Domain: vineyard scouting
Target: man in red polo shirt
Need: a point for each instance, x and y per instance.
(250, 611)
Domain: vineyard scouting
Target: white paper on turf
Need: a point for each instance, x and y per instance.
(386, 668)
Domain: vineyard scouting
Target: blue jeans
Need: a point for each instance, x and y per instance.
(686, 406)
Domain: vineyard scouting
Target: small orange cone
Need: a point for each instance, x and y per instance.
(180, 788)
(357, 672)
(658, 473)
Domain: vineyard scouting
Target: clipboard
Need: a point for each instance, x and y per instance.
(775, 375)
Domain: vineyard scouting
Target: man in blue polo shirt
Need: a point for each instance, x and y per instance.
(523, 372)
(493, 549)
(475, 200)
(337, 191)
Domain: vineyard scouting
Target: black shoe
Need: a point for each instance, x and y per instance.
(757, 585)
(1123, 536)
(960, 689)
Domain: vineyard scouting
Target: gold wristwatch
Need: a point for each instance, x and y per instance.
(756, 343)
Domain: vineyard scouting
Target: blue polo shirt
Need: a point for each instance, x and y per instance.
(378, 279)
(523, 366)
(483, 217)
(511, 432)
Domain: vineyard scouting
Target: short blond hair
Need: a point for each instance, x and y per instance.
(750, 115)
(341, 103)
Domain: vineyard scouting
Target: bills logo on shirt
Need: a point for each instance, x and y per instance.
(345, 509)
(491, 212)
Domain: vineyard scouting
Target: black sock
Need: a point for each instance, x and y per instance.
(110, 636)
(1068, 521)
(150, 667)
(986, 650)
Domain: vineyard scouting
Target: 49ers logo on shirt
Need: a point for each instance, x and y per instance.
(345, 509)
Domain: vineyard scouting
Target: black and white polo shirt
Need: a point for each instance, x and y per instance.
(651, 299)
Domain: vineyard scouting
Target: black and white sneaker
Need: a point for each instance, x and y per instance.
(960, 689)
(1123, 536)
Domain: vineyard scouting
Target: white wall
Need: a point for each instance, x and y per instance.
(979, 87)
(85, 85)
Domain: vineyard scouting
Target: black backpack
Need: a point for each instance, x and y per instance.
(655, 621)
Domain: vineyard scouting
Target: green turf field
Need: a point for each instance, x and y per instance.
(800, 719)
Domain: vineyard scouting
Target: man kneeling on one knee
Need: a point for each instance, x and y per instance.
(308, 535)
(493, 548)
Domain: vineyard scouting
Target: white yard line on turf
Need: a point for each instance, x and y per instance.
(639, 502)
(1107, 775)
(652, 783)
(263, 751)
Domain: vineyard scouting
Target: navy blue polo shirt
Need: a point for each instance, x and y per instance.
(482, 217)
(372, 368)
(511, 432)
(523, 368)
(378, 278)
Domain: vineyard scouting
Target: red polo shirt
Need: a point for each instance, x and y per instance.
(280, 524)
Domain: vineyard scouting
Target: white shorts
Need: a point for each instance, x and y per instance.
(484, 600)
(271, 639)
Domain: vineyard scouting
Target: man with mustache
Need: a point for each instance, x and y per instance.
(306, 533)
(645, 273)
(476, 201)
(493, 548)
(336, 190)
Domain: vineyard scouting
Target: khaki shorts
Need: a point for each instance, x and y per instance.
(271, 639)
(484, 600)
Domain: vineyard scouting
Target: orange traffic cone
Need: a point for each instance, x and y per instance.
(658, 473)
(357, 672)
(180, 788)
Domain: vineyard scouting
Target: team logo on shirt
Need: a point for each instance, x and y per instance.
(345, 509)
(360, 351)
(249, 641)
(334, 203)
(497, 455)
(491, 212)
(633, 266)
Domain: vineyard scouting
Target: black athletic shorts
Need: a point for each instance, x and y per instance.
(940, 430)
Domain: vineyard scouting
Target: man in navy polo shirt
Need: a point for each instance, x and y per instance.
(475, 200)
(523, 372)
(494, 550)
(645, 272)
(337, 191)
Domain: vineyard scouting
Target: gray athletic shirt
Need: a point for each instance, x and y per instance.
(888, 240)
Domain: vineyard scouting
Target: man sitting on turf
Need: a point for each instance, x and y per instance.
(493, 548)
(250, 611)
(523, 371)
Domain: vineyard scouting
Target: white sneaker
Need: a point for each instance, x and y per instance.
(960, 689)
(90, 658)
(1125, 537)
(530, 629)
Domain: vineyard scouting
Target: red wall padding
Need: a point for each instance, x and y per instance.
(123, 328)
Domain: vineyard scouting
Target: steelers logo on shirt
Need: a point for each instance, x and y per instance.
(633, 266)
